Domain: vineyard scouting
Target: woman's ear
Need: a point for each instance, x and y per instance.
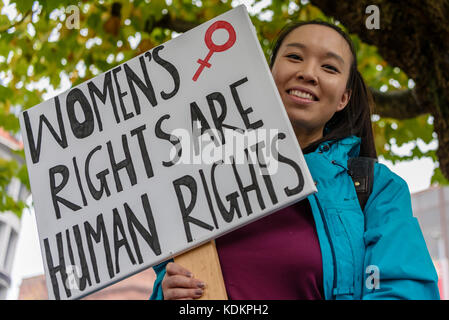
(344, 100)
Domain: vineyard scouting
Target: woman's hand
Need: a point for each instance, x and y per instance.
(179, 283)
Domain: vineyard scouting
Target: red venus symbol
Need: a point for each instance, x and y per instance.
(212, 46)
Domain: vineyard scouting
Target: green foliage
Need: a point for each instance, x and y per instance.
(438, 178)
(37, 44)
(392, 132)
(9, 170)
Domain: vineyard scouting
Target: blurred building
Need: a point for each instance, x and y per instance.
(431, 207)
(9, 222)
(136, 287)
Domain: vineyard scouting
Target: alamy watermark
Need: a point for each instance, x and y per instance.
(373, 20)
(73, 19)
(373, 280)
(73, 277)
(226, 146)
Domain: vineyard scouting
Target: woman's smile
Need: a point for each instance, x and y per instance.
(302, 95)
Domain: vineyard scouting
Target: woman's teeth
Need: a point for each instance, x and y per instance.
(301, 94)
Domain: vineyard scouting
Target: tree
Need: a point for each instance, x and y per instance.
(413, 37)
(44, 43)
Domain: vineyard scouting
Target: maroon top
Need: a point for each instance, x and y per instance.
(276, 257)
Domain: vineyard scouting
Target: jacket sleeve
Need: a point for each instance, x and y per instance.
(157, 293)
(395, 250)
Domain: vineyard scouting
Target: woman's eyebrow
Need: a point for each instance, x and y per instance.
(328, 54)
(296, 44)
(331, 54)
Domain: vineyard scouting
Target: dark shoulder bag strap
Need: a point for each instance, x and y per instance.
(361, 170)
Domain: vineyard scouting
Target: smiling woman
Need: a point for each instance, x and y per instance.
(322, 63)
(326, 53)
(326, 246)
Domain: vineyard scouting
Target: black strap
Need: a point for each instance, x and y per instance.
(361, 170)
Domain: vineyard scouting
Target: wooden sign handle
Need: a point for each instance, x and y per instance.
(203, 262)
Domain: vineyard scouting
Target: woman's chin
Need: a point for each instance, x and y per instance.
(299, 117)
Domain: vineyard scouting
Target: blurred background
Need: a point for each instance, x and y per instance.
(48, 46)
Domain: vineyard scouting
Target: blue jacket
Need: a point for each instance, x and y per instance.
(384, 241)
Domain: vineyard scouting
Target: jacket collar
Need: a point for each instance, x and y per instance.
(341, 150)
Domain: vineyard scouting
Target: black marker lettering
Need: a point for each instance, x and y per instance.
(97, 235)
(289, 192)
(150, 235)
(171, 69)
(101, 176)
(64, 171)
(254, 186)
(190, 183)
(146, 88)
(84, 269)
(121, 94)
(107, 87)
(218, 120)
(209, 199)
(266, 176)
(126, 163)
(78, 179)
(232, 199)
(53, 270)
(243, 112)
(80, 129)
(118, 226)
(174, 140)
(143, 150)
(35, 148)
(197, 116)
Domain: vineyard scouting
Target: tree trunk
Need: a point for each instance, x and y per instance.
(413, 36)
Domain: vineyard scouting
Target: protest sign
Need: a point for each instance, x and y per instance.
(158, 155)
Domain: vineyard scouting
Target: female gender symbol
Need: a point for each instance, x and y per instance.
(212, 46)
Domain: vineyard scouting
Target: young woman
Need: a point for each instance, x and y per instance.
(334, 249)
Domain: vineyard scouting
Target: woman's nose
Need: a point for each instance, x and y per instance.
(307, 74)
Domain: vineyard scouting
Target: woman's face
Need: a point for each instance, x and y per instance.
(311, 70)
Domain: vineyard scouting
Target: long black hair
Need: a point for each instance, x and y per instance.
(355, 118)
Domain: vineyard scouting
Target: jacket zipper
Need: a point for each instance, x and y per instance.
(326, 229)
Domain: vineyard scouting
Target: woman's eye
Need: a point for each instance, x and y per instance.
(294, 56)
(327, 66)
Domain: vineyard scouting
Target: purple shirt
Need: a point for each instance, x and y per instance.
(276, 257)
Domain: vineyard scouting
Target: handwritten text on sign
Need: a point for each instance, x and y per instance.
(116, 184)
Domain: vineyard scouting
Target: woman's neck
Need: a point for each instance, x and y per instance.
(305, 137)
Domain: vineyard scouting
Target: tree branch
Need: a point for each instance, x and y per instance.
(177, 25)
(397, 104)
(17, 22)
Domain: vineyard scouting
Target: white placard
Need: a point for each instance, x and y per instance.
(125, 172)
